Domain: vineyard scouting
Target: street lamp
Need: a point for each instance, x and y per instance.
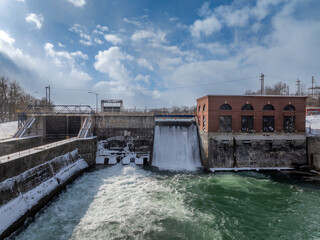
(96, 100)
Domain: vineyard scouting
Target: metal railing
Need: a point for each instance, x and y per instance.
(58, 109)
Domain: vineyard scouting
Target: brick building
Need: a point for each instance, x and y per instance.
(226, 113)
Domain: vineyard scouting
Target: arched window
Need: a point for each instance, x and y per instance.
(204, 108)
(225, 107)
(247, 107)
(199, 109)
(268, 107)
(289, 107)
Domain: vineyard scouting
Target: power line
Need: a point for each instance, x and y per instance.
(163, 88)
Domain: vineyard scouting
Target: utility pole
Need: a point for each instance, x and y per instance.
(312, 87)
(96, 100)
(298, 86)
(262, 83)
(48, 93)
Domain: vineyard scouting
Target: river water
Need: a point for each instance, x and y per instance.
(130, 202)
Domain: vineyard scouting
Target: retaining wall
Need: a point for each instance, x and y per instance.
(314, 152)
(28, 183)
(252, 150)
(19, 144)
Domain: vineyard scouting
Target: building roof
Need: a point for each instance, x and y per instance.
(269, 96)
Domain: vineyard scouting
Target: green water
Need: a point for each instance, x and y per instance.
(128, 202)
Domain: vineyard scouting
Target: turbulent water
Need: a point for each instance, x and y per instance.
(176, 148)
(129, 202)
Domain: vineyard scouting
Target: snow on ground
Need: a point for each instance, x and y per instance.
(17, 207)
(7, 129)
(313, 122)
(126, 155)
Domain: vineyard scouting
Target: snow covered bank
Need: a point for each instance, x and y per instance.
(116, 155)
(8, 129)
(34, 185)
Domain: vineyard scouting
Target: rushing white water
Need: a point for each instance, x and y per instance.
(176, 148)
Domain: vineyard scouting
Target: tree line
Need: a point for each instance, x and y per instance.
(14, 100)
(280, 88)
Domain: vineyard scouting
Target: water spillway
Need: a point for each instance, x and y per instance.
(176, 148)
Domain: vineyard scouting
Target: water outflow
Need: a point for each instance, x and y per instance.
(176, 148)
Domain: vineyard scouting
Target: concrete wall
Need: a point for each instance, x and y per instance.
(314, 152)
(252, 150)
(19, 144)
(132, 129)
(28, 183)
(125, 122)
(87, 148)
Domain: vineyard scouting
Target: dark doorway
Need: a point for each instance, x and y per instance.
(268, 124)
(225, 123)
(288, 123)
(246, 123)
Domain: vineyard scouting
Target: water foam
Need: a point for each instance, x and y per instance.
(176, 148)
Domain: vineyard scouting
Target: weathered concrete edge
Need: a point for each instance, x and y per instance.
(13, 145)
(39, 205)
(87, 148)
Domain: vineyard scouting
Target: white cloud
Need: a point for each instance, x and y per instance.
(61, 45)
(102, 28)
(114, 39)
(86, 43)
(173, 19)
(98, 41)
(5, 37)
(85, 38)
(77, 3)
(144, 63)
(142, 78)
(64, 58)
(214, 48)
(134, 22)
(154, 37)
(232, 16)
(34, 18)
(110, 62)
(206, 26)
(32, 72)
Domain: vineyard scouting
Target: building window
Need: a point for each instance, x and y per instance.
(199, 109)
(247, 107)
(289, 108)
(246, 123)
(225, 123)
(225, 107)
(268, 107)
(268, 124)
(199, 120)
(204, 123)
(288, 123)
(204, 108)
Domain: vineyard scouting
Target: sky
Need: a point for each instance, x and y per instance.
(153, 53)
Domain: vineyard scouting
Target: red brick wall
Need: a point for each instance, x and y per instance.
(213, 103)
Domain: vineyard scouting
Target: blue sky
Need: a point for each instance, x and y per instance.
(157, 53)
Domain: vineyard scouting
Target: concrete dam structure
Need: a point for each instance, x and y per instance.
(52, 149)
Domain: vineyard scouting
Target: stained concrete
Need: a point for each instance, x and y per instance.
(19, 144)
(252, 150)
(87, 148)
(314, 152)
